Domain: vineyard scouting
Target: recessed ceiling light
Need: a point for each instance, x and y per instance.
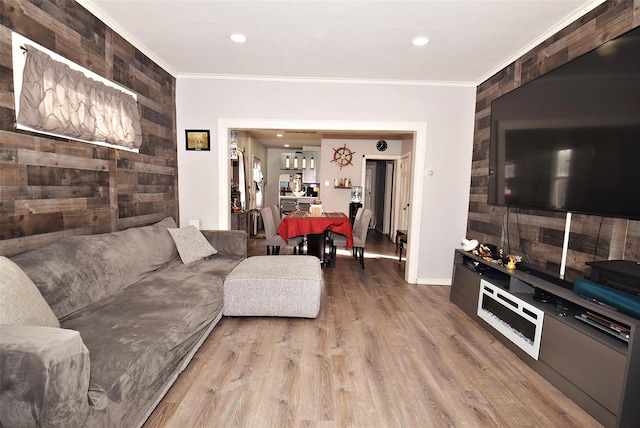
(420, 41)
(279, 135)
(286, 145)
(238, 38)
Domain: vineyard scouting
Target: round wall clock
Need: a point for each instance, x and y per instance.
(343, 156)
(381, 145)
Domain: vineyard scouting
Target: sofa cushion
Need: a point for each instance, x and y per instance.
(191, 244)
(21, 303)
(76, 271)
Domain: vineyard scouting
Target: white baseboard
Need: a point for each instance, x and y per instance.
(434, 281)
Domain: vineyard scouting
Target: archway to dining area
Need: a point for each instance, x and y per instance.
(419, 143)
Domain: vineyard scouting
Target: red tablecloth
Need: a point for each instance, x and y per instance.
(299, 223)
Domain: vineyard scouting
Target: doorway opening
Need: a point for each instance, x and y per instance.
(387, 189)
(419, 149)
(379, 189)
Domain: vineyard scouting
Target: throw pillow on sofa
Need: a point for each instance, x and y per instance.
(21, 302)
(191, 244)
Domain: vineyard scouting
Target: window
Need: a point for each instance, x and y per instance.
(57, 97)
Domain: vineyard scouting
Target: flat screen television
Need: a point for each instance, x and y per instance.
(570, 140)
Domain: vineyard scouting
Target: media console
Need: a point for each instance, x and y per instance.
(595, 367)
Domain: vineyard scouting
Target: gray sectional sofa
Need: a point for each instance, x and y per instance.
(131, 315)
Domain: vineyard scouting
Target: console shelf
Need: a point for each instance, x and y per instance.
(599, 372)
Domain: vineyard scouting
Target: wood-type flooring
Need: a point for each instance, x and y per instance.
(381, 353)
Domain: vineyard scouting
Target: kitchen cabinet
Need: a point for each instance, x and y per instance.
(311, 172)
(291, 161)
(310, 176)
(306, 162)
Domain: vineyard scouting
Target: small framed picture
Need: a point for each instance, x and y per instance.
(198, 139)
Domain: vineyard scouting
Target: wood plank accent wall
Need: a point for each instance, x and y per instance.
(539, 234)
(53, 187)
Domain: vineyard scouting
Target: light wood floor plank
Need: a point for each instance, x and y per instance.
(381, 353)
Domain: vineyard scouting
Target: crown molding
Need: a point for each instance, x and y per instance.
(351, 81)
(578, 13)
(101, 15)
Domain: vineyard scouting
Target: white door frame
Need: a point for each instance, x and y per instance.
(389, 179)
(369, 181)
(402, 202)
(419, 150)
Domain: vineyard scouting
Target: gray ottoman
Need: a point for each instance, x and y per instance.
(279, 286)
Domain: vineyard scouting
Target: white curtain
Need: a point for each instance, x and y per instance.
(62, 101)
(242, 180)
(258, 184)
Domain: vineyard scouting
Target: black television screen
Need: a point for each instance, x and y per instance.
(570, 139)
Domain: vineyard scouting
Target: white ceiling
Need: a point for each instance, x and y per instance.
(470, 39)
(368, 41)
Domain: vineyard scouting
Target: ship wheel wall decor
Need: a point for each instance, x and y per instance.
(343, 156)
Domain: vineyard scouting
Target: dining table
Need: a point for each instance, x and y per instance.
(301, 223)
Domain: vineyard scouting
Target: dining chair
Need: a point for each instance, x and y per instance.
(360, 229)
(277, 217)
(335, 239)
(288, 205)
(271, 218)
(356, 220)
